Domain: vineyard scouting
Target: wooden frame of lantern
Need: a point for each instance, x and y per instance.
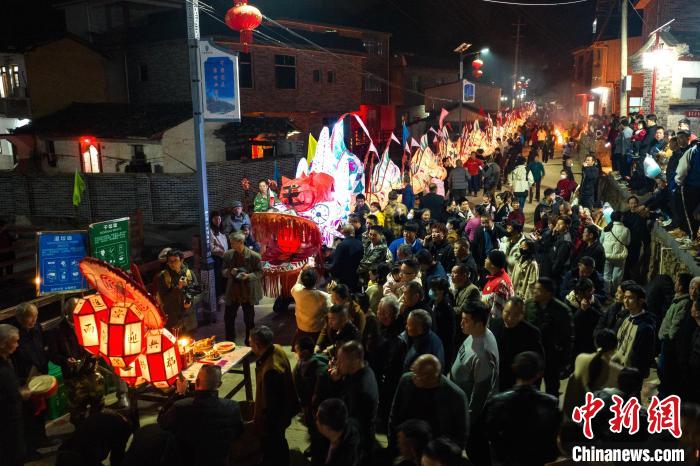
(86, 314)
(122, 334)
(160, 362)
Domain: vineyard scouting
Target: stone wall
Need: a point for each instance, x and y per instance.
(162, 198)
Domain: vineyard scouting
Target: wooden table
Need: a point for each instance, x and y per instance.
(234, 362)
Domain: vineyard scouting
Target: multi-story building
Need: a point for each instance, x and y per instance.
(669, 60)
(596, 79)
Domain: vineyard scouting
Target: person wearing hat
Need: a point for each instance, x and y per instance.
(236, 219)
(498, 288)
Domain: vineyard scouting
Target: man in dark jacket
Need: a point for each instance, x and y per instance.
(589, 182)
(170, 283)
(649, 140)
(591, 247)
(354, 383)
(586, 269)
(514, 335)
(615, 313)
(426, 394)
(391, 351)
(522, 424)
(438, 246)
(435, 203)
(639, 236)
(561, 252)
(636, 337)
(420, 339)
(484, 241)
(203, 425)
(553, 318)
(346, 259)
(276, 401)
(12, 448)
(339, 329)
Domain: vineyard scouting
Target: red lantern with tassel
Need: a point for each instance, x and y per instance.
(85, 320)
(477, 63)
(122, 334)
(477, 73)
(243, 18)
(160, 363)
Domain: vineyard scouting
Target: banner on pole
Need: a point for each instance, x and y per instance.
(221, 100)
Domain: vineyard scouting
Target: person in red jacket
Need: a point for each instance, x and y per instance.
(566, 186)
(474, 167)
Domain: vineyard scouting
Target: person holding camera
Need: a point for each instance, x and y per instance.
(173, 284)
(243, 269)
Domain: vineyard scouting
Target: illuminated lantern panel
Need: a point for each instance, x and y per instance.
(131, 375)
(243, 18)
(85, 319)
(121, 334)
(288, 240)
(477, 63)
(160, 363)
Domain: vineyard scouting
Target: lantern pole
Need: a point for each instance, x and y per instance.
(206, 262)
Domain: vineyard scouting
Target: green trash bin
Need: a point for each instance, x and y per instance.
(57, 404)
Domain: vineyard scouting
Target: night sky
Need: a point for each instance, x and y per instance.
(427, 27)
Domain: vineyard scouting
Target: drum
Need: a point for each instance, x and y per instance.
(43, 386)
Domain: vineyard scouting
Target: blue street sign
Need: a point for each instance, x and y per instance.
(468, 92)
(58, 256)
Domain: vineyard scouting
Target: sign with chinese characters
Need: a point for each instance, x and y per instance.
(219, 86)
(692, 113)
(58, 256)
(109, 241)
(663, 415)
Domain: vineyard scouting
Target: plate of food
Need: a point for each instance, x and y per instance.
(203, 345)
(225, 346)
(211, 357)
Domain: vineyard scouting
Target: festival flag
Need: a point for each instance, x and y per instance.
(405, 133)
(443, 115)
(276, 175)
(433, 130)
(394, 138)
(373, 148)
(415, 143)
(406, 147)
(78, 188)
(311, 151)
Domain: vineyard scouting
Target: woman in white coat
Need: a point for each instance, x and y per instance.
(616, 241)
(521, 180)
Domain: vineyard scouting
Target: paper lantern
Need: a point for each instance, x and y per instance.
(130, 375)
(243, 18)
(477, 73)
(121, 334)
(160, 363)
(477, 63)
(85, 319)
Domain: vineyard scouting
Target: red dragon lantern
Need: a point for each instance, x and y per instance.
(243, 18)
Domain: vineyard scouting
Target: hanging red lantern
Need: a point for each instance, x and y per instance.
(122, 334)
(85, 320)
(243, 18)
(477, 63)
(160, 363)
(477, 73)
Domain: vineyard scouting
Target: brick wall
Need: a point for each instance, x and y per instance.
(163, 198)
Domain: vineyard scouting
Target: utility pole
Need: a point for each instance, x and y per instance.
(206, 262)
(515, 62)
(623, 58)
(461, 89)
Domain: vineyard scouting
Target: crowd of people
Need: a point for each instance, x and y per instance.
(436, 320)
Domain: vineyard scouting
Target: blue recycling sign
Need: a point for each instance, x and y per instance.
(468, 92)
(58, 257)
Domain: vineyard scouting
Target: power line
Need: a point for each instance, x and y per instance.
(635, 10)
